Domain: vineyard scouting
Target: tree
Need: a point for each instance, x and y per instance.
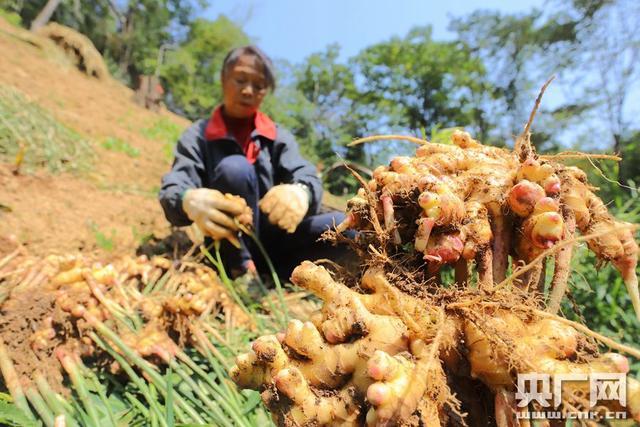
(329, 86)
(417, 83)
(338, 116)
(128, 34)
(191, 74)
(45, 14)
(521, 50)
(608, 51)
(143, 26)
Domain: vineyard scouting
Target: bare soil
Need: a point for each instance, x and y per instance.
(111, 208)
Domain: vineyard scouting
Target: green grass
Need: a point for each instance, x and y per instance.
(29, 131)
(118, 145)
(166, 133)
(11, 17)
(103, 241)
(194, 388)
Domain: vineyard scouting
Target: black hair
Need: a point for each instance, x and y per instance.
(267, 66)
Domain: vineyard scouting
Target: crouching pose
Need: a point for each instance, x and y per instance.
(239, 150)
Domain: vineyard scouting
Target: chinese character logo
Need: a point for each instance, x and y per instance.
(606, 386)
(534, 387)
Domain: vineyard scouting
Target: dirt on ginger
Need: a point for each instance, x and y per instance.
(379, 356)
(399, 346)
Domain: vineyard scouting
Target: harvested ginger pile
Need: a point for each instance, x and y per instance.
(396, 347)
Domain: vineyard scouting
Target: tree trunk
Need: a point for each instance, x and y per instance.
(45, 14)
(124, 61)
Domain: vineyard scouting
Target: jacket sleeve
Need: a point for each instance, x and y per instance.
(290, 167)
(186, 173)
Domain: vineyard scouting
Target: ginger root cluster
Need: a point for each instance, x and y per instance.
(402, 346)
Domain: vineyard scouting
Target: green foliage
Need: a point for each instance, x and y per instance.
(11, 415)
(141, 238)
(442, 135)
(329, 86)
(116, 144)
(31, 132)
(292, 111)
(192, 72)
(629, 168)
(415, 82)
(129, 36)
(165, 132)
(11, 17)
(103, 241)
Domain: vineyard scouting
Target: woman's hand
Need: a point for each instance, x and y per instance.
(286, 205)
(216, 213)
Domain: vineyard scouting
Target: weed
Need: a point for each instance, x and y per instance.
(120, 146)
(165, 132)
(140, 237)
(103, 241)
(32, 133)
(11, 17)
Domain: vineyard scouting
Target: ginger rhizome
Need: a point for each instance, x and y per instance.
(51, 308)
(466, 203)
(400, 346)
(378, 356)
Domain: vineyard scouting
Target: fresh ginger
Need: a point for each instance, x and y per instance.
(488, 205)
(395, 348)
(70, 295)
(380, 357)
(358, 348)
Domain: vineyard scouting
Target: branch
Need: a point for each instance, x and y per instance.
(116, 13)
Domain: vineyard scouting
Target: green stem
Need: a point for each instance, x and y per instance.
(79, 385)
(154, 419)
(210, 349)
(158, 284)
(137, 381)
(82, 415)
(54, 400)
(101, 393)
(169, 400)
(40, 405)
(226, 404)
(137, 404)
(216, 363)
(140, 362)
(227, 283)
(204, 398)
(118, 312)
(274, 276)
(128, 310)
(13, 383)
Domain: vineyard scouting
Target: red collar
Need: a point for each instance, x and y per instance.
(216, 128)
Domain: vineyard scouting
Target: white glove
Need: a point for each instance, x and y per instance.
(214, 212)
(286, 205)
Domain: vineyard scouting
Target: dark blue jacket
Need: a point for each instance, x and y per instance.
(279, 162)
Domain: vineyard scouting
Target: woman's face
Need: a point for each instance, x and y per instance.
(244, 86)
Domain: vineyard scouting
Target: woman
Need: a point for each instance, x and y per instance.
(240, 150)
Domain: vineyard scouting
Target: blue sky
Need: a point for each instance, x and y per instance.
(291, 30)
(294, 29)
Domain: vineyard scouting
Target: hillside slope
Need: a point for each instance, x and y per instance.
(111, 206)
